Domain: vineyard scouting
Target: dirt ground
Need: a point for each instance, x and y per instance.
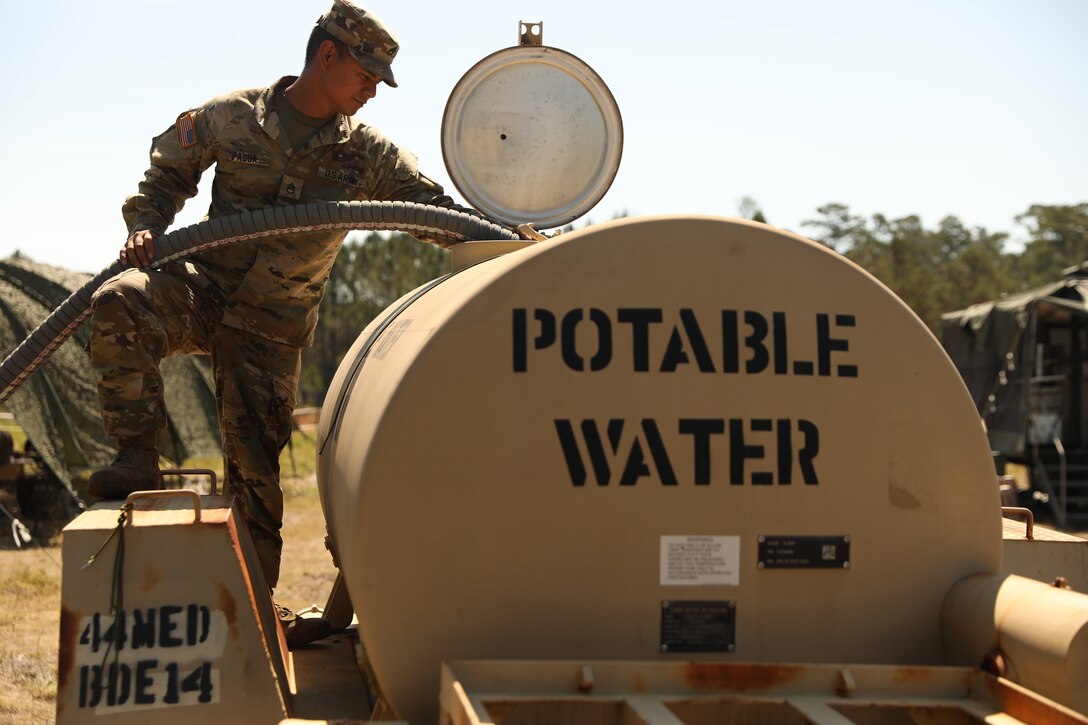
(30, 594)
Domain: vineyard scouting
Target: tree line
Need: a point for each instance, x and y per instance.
(934, 270)
(952, 266)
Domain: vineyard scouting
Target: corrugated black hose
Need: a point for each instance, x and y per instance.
(448, 224)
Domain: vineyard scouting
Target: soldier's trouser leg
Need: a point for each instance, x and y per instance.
(255, 382)
(139, 318)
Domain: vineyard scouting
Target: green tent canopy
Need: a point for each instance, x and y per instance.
(1024, 359)
(57, 406)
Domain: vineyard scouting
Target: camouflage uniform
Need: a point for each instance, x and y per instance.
(251, 306)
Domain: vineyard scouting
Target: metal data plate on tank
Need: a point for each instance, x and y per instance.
(532, 134)
(804, 552)
(698, 626)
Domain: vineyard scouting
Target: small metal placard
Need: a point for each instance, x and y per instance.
(709, 626)
(804, 552)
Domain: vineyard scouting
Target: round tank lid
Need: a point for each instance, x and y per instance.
(531, 134)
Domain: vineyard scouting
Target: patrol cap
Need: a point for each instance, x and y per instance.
(367, 38)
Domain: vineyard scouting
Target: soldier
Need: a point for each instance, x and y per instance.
(252, 306)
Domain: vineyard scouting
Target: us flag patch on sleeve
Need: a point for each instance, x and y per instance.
(187, 130)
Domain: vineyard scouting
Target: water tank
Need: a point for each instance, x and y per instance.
(662, 438)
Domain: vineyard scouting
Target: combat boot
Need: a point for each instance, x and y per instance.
(300, 631)
(134, 468)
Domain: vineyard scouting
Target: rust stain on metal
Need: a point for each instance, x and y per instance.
(150, 578)
(229, 605)
(915, 675)
(247, 580)
(1017, 704)
(718, 676)
(66, 654)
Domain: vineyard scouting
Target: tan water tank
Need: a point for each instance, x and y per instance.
(664, 438)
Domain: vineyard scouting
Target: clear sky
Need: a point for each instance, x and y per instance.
(932, 107)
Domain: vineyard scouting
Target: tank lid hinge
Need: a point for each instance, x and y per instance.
(530, 33)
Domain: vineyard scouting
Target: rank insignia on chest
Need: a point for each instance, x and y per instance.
(186, 130)
(291, 188)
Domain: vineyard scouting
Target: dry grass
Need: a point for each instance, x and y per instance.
(29, 617)
(30, 594)
(307, 572)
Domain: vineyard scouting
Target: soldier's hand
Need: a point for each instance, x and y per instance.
(139, 250)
